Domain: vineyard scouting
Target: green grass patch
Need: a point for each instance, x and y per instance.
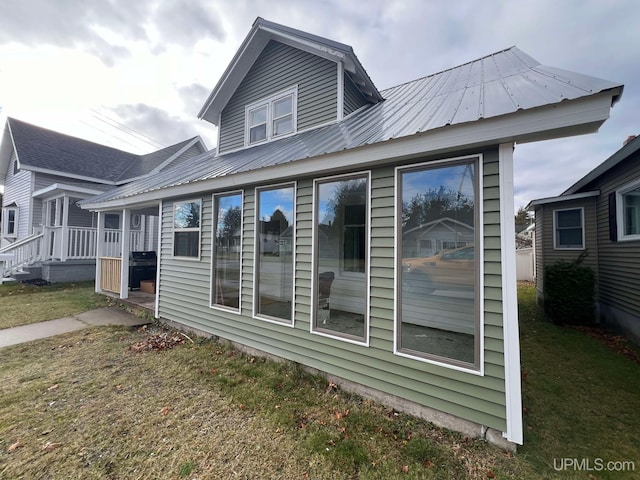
(23, 304)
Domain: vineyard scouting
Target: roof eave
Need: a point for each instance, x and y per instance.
(570, 117)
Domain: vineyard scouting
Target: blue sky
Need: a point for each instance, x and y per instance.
(103, 69)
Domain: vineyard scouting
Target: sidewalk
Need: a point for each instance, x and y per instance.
(50, 328)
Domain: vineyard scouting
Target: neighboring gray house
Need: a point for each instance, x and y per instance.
(599, 215)
(304, 130)
(44, 174)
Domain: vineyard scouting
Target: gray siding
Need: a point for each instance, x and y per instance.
(43, 180)
(316, 78)
(619, 262)
(17, 189)
(185, 293)
(353, 99)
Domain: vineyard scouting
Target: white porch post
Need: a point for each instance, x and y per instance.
(46, 250)
(64, 232)
(125, 241)
(99, 250)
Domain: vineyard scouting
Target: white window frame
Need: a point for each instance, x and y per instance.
(256, 260)
(620, 216)
(5, 221)
(190, 229)
(268, 103)
(314, 269)
(555, 229)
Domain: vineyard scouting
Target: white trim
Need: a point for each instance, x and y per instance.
(513, 389)
(478, 160)
(340, 108)
(190, 229)
(194, 141)
(620, 216)
(159, 258)
(256, 257)
(5, 221)
(267, 103)
(125, 248)
(563, 198)
(214, 224)
(314, 260)
(555, 228)
(58, 189)
(579, 116)
(59, 173)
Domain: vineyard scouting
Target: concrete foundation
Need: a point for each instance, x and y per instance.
(69, 271)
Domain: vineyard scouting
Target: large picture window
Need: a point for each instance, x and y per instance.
(629, 212)
(274, 253)
(439, 262)
(568, 229)
(271, 117)
(341, 256)
(186, 229)
(227, 250)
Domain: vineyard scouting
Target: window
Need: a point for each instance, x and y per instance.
(438, 293)
(568, 231)
(271, 117)
(274, 253)
(341, 246)
(112, 221)
(629, 212)
(10, 222)
(227, 250)
(186, 229)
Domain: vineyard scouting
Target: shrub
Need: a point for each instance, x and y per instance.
(569, 290)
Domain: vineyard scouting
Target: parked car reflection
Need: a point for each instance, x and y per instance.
(448, 270)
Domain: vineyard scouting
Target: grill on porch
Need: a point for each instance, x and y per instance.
(142, 266)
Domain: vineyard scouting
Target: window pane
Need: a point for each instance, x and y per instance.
(569, 228)
(275, 253)
(283, 107)
(569, 218)
(631, 202)
(438, 300)
(227, 248)
(258, 133)
(186, 244)
(341, 286)
(111, 221)
(570, 237)
(187, 215)
(283, 125)
(258, 116)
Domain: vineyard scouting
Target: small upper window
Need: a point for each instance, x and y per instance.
(629, 212)
(186, 229)
(10, 222)
(568, 229)
(271, 117)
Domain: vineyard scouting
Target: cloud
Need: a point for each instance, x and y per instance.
(193, 96)
(185, 23)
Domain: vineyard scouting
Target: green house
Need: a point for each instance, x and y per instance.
(290, 238)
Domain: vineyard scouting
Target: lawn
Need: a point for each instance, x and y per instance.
(22, 304)
(98, 404)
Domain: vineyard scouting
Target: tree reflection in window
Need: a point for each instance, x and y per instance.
(227, 250)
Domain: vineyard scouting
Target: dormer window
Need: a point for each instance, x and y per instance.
(272, 117)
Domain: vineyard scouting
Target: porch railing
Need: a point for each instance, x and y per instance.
(25, 252)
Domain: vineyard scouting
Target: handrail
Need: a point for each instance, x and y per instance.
(26, 251)
(16, 244)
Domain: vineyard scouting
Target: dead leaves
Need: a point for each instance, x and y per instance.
(51, 446)
(161, 341)
(14, 446)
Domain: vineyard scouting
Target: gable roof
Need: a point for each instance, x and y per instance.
(44, 150)
(258, 37)
(503, 97)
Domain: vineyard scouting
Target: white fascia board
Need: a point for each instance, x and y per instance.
(568, 118)
(7, 147)
(170, 159)
(58, 173)
(511, 335)
(53, 188)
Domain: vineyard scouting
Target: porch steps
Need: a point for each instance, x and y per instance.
(34, 272)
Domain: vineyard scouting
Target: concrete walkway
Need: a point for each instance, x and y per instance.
(50, 328)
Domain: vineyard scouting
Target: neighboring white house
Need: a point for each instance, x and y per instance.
(302, 126)
(45, 174)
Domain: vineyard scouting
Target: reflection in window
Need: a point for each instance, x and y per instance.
(186, 229)
(631, 209)
(439, 282)
(274, 284)
(341, 256)
(227, 248)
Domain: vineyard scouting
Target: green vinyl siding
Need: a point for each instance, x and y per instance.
(315, 77)
(184, 298)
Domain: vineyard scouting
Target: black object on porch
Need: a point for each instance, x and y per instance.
(142, 266)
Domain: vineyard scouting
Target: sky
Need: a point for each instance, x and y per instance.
(134, 75)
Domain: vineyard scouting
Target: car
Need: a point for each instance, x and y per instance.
(448, 270)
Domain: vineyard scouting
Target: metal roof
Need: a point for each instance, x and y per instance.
(495, 85)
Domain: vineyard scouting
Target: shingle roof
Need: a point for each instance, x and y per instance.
(45, 149)
(496, 85)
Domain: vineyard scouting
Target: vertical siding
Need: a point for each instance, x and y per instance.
(317, 90)
(184, 298)
(618, 262)
(552, 255)
(353, 99)
(17, 189)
